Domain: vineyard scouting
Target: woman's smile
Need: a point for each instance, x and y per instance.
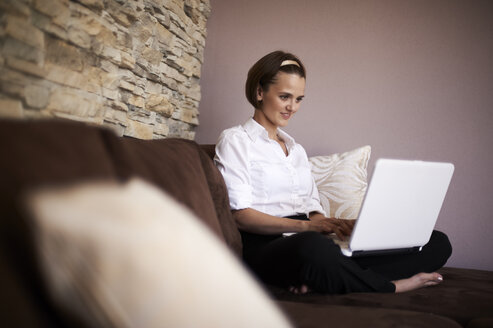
(286, 116)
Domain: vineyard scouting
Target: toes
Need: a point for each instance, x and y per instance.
(438, 278)
(299, 290)
(434, 277)
(431, 279)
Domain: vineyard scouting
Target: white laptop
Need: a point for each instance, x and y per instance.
(400, 208)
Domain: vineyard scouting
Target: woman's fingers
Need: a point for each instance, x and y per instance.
(342, 228)
(331, 227)
(349, 226)
(341, 235)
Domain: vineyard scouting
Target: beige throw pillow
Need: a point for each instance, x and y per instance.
(341, 181)
(130, 256)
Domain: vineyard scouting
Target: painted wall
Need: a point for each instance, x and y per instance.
(413, 79)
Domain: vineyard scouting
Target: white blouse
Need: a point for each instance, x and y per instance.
(259, 175)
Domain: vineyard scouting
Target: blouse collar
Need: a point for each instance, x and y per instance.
(254, 130)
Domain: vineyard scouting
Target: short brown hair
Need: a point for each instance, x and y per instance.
(263, 73)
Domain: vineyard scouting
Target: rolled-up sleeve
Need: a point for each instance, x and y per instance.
(232, 161)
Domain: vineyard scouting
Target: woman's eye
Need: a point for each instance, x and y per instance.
(299, 99)
(284, 97)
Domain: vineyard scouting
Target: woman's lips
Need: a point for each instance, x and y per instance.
(285, 116)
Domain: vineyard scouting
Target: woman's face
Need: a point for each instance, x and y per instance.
(281, 101)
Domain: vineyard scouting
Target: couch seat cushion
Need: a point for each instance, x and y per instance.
(320, 315)
(464, 295)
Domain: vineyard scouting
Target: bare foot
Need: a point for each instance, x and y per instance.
(417, 281)
(303, 289)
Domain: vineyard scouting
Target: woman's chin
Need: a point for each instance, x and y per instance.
(283, 122)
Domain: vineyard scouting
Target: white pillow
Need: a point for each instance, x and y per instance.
(130, 256)
(341, 181)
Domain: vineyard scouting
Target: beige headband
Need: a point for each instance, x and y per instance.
(289, 62)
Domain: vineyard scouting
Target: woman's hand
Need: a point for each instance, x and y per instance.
(341, 227)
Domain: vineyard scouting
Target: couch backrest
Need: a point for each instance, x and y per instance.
(182, 169)
(209, 149)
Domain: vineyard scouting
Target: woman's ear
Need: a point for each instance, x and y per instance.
(260, 94)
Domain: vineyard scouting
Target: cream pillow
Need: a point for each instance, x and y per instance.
(341, 181)
(130, 256)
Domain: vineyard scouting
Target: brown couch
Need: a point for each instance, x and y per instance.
(40, 153)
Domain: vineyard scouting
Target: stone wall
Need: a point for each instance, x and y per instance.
(133, 65)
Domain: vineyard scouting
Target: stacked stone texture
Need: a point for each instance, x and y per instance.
(133, 65)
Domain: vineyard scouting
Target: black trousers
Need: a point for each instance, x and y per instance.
(312, 259)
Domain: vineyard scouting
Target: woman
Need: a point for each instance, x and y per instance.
(272, 192)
